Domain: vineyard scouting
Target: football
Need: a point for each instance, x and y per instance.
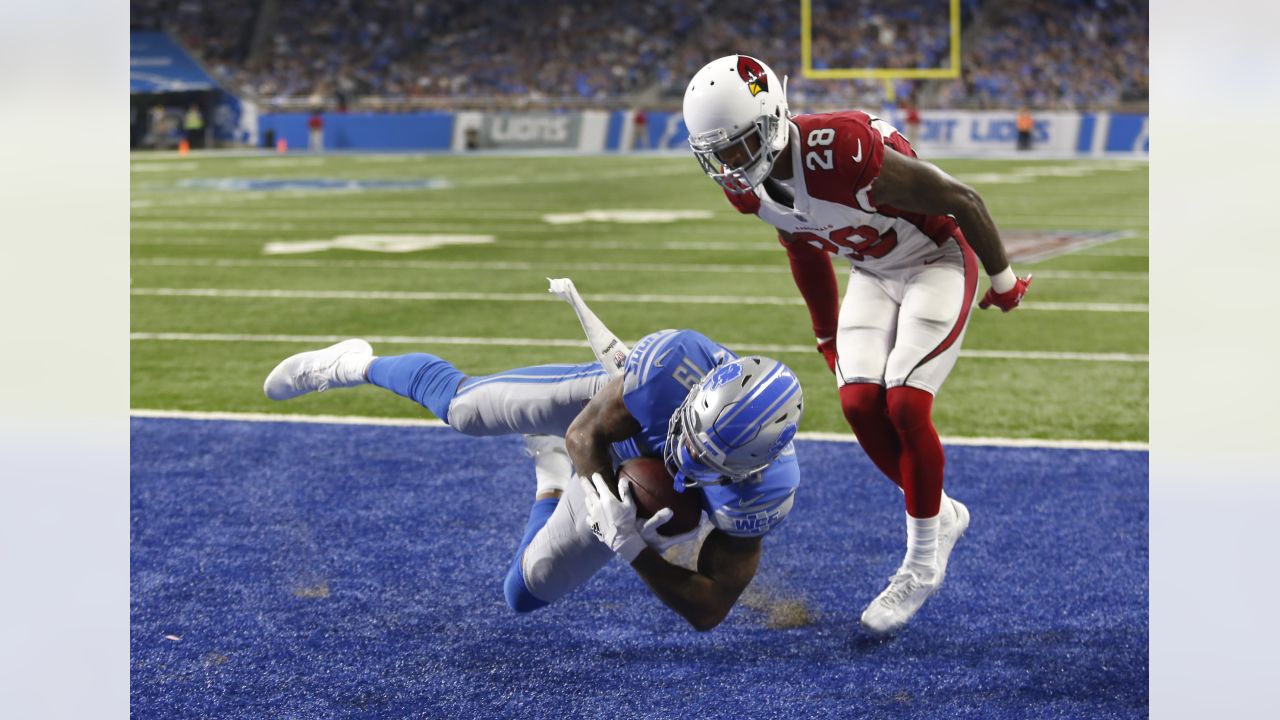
(653, 489)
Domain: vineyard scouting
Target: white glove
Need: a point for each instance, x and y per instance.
(564, 289)
(660, 542)
(610, 351)
(613, 521)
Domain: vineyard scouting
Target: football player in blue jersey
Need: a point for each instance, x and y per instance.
(723, 424)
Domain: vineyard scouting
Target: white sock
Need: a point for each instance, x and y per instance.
(351, 368)
(922, 544)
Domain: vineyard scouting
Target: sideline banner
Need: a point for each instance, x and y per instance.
(581, 131)
(978, 132)
(941, 132)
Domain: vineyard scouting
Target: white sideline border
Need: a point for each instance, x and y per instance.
(579, 343)
(458, 296)
(434, 423)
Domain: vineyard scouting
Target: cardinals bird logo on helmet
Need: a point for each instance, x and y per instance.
(753, 75)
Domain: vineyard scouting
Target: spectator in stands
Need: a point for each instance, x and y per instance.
(1043, 53)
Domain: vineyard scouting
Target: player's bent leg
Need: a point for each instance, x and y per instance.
(340, 365)
(922, 461)
(533, 400)
(931, 324)
(539, 400)
(866, 411)
(868, 321)
(426, 379)
(934, 522)
(519, 596)
(559, 557)
(553, 469)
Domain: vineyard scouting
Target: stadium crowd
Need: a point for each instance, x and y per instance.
(1042, 53)
(1055, 54)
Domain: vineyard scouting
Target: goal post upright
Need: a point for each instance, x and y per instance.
(888, 74)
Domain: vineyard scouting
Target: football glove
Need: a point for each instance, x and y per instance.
(658, 541)
(1008, 299)
(611, 520)
(828, 349)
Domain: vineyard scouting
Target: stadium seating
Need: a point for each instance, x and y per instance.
(1041, 53)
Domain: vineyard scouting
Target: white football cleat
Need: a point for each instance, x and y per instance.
(337, 366)
(891, 609)
(951, 526)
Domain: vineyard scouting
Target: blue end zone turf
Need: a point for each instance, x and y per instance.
(355, 571)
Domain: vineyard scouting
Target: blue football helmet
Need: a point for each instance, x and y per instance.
(733, 423)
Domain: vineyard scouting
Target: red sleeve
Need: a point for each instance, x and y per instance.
(857, 153)
(816, 279)
(861, 153)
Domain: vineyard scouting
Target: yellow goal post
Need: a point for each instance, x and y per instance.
(809, 71)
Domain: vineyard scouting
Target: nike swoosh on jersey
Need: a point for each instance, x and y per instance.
(857, 157)
(662, 359)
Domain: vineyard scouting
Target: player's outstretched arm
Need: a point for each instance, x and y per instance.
(917, 186)
(610, 351)
(726, 565)
(603, 421)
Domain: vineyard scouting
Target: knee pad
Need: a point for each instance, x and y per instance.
(859, 400)
(909, 408)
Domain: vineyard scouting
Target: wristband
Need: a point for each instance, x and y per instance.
(1004, 281)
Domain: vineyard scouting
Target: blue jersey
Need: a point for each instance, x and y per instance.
(658, 375)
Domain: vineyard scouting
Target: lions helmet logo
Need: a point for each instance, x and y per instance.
(753, 75)
(724, 375)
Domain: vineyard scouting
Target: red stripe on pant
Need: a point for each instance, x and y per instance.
(970, 290)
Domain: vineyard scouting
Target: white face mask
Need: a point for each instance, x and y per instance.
(711, 149)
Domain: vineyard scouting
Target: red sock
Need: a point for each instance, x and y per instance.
(922, 460)
(865, 409)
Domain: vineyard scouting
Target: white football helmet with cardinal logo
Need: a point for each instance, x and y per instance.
(737, 99)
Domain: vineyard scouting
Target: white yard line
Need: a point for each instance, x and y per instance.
(389, 295)
(499, 266)
(360, 213)
(1087, 307)
(1116, 252)
(1089, 274)
(548, 297)
(433, 423)
(555, 342)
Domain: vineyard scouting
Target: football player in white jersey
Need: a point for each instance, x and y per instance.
(848, 184)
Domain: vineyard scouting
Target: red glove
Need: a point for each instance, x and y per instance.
(1007, 300)
(828, 350)
(748, 203)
